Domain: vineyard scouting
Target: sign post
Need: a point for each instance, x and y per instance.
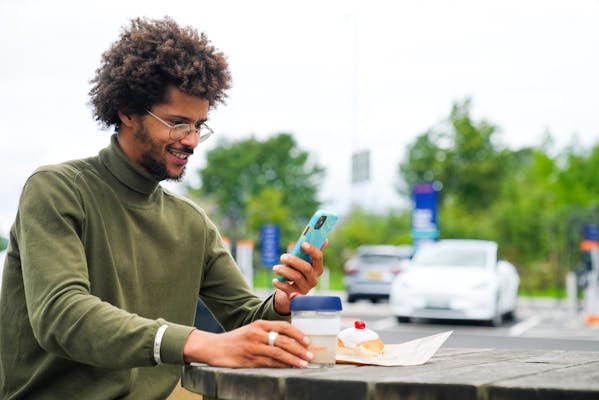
(269, 244)
(425, 227)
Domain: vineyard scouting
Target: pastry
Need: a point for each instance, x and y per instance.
(359, 341)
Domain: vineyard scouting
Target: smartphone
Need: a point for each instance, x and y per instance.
(315, 233)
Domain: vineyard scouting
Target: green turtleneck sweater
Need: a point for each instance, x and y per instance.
(100, 257)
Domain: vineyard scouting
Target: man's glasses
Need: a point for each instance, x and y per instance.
(180, 131)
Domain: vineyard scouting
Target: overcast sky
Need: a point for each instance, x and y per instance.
(341, 76)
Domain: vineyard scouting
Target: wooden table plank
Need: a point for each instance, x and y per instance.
(470, 374)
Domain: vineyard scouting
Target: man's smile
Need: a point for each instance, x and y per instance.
(180, 154)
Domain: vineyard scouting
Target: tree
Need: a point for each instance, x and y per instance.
(578, 180)
(524, 213)
(424, 162)
(462, 155)
(362, 227)
(240, 172)
(268, 207)
(532, 203)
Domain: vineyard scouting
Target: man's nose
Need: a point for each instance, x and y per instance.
(191, 140)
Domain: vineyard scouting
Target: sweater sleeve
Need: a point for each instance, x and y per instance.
(65, 317)
(225, 291)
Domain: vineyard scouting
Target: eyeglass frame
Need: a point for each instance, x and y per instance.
(185, 128)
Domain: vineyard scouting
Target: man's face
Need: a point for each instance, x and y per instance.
(147, 142)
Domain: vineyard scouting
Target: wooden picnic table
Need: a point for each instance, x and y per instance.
(481, 374)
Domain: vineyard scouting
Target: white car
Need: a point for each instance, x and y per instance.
(456, 279)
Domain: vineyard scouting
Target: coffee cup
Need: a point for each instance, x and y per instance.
(318, 317)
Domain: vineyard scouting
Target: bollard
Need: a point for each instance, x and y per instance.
(325, 279)
(245, 261)
(592, 306)
(572, 295)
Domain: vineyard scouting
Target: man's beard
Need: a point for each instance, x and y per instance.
(156, 168)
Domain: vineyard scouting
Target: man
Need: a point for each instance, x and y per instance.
(104, 266)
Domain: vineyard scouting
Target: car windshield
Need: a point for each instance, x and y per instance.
(451, 257)
(379, 259)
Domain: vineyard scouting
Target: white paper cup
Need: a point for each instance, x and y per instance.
(319, 318)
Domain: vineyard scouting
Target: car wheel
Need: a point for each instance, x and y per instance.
(497, 317)
(351, 299)
(510, 315)
(403, 320)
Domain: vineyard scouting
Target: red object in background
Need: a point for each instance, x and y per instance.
(350, 269)
(588, 245)
(396, 269)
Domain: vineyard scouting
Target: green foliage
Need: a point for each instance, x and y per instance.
(462, 155)
(457, 222)
(263, 279)
(424, 162)
(578, 182)
(532, 201)
(533, 204)
(268, 208)
(523, 213)
(3, 243)
(361, 227)
(242, 174)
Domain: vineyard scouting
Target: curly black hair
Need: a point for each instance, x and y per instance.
(150, 56)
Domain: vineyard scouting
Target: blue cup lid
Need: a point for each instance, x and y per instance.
(315, 303)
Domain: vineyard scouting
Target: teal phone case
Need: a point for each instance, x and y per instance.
(316, 232)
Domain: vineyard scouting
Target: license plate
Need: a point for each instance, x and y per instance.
(438, 303)
(374, 275)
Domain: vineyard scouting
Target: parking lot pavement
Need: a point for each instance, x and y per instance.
(535, 317)
(551, 313)
(359, 308)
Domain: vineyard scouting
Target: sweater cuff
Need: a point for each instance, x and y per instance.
(173, 341)
(271, 312)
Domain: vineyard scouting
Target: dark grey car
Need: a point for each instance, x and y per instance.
(369, 272)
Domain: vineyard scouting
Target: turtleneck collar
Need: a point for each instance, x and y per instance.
(126, 171)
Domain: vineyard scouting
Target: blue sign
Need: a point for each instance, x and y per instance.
(424, 215)
(591, 232)
(269, 244)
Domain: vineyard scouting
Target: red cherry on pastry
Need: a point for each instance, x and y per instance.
(359, 324)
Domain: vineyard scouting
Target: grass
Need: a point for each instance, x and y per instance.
(264, 276)
(549, 292)
(263, 279)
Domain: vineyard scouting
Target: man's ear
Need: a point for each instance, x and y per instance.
(126, 120)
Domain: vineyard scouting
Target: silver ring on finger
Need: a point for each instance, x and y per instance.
(272, 336)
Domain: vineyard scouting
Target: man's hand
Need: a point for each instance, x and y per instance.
(249, 346)
(302, 276)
